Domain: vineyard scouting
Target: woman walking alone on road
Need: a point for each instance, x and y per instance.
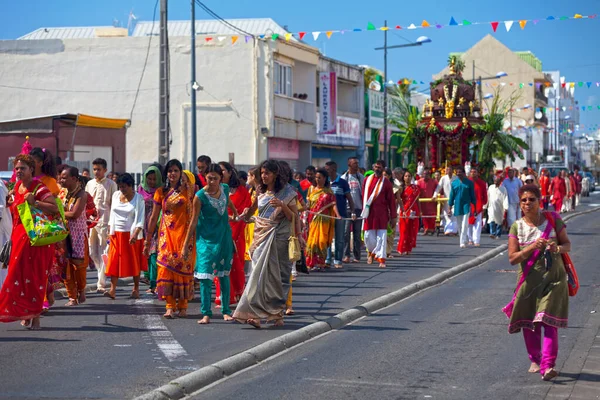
(267, 289)
(214, 245)
(410, 210)
(151, 180)
(126, 234)
(240, 197)
(321, 219)
(175, 281)
(22, 295)
(542, 300)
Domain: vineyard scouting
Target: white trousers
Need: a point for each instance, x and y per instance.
(449, 222)
(577, 199)
(512, 214)
(463, 228)
(376, 242)
(474, 231)
(98, 247)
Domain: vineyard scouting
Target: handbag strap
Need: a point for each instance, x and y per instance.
(533, 258)
(293, 229)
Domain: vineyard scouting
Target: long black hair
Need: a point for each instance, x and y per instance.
(286, 172)
(47, 159)
(172, 163)
(274, 167)
(216, 168)
(234, 180)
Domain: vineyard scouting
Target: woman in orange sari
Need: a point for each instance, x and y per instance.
(409, 215)
(45, 171)
(175, 280)
(321, 219)
(22, 295)
(240, 197)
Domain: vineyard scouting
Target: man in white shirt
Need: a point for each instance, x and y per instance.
(512, 186)
(445, 186)
(496, 206)
(102, 190)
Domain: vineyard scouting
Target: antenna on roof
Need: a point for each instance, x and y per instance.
(131, 22)
(116, 23)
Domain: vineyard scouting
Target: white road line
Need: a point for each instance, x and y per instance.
(159, 333)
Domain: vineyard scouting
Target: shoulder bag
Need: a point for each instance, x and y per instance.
(572, 278)
(41, 228)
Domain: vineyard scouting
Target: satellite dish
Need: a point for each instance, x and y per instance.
(375, 85)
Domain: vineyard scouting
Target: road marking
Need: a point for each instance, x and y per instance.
(159, 333)
(122, 345)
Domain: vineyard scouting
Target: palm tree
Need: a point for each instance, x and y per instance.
(407, 117)
(495, 142)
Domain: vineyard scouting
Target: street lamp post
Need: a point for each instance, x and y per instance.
(419, 42)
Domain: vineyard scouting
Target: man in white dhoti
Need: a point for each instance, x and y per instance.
(496, 206)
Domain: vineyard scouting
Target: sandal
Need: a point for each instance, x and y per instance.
(534, 368)
(150, 291)
(135, 294)
(289, 311)
(278, 322)
(182, 314)
(370, 260)
(169, 314)
(108, 294)
(550, 374)
(25, 323)
(71, 303)
(254, 323)
(81, 298)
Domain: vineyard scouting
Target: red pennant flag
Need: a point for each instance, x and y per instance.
(301, 35)
(494, 26)
(564, 84)
(208, 39)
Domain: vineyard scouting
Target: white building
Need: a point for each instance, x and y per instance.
(256, 98)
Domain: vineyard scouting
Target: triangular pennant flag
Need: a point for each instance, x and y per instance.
(234, 39)
(508, 25)
(406, 81)
(208, 39)
(301, 35)
(465, 22)
(425, 24)
(550, 18)
(384, 28)
(412, 26)
(521, 85)
(246, 38)
(288, 36)
(370, 27)
(535, 21)
(494, 25)
(329, 33)
(530, 83)
(572, 84)
(583, 108)
(589, 84)
(597, 84)
(316, 35)
(414, 82)
(580, 84)
(564, 84)
(261, 36)
(564, 18)
(452, 22)
(578, 16)
(592, 16)
(357, 30)
(221, 38)
(589, 108)
(439, 26)
(274, 36)
(398, 27)
(523, 22)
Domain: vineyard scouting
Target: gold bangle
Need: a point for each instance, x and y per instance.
(557, 249)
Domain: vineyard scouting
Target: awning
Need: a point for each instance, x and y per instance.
(99, 122)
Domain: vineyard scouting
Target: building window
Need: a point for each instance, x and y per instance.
(283, 79)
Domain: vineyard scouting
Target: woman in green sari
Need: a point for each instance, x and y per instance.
(214, 243)
(151, 180)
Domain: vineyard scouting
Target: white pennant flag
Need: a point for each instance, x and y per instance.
(508, 25)
(316, 35)
(412, 26)
(221, 38)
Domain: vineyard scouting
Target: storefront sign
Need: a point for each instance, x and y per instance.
(283, 149)
(376, 110)
(328, 102)
(347, 133)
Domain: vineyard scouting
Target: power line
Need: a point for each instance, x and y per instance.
(223, 21)
(38, 89)
(145, 63)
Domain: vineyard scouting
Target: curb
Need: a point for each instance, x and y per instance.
(205, 376)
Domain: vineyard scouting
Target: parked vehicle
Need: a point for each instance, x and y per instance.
(553, 168)
(590, 176)
(5, 176)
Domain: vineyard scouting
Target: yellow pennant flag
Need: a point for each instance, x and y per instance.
(329, 33)
(572, 84)
(288, 36)
(234, 39)
(577, 16)
(384, 28)
(523, 22)
(406, 81)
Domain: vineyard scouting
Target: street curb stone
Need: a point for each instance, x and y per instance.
(190, 383)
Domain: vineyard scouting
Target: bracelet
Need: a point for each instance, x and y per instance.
(557, 249)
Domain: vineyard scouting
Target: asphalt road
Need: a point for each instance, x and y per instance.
(123, 348)
(449, 342)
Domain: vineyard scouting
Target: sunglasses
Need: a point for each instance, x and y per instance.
(528, 200)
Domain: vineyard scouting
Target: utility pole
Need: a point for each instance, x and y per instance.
(193, 85)
(163, 96)
(385, 98)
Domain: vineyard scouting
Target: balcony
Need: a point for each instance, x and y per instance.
(540, 97)
(543, 121)
(289, 108)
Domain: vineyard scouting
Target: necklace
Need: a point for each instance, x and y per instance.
(530, 222)
(212, 193)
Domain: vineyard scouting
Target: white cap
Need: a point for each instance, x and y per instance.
(529, 178)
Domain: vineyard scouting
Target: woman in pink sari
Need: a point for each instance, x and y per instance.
(23, 292)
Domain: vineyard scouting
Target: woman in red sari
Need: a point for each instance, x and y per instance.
(241, 199)
(410, 210)
(22, 294)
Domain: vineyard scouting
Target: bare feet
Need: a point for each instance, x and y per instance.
(255, 323)
(534, 368)
(35, 325)
(370, 260)
(278, 322)
(25, 323)
(150, 291)
(81, 298)
(51, 298)
(71, 303)
(109, 294)
(204, 321)
(170, 314)
(289, 311)
(382, 265)
(182, 314)
(135, 294)
(227, 317)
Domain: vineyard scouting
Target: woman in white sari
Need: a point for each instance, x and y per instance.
(269, 284)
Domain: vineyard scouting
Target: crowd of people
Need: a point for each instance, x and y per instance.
(182, 232)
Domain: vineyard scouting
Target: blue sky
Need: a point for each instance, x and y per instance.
(569, 46)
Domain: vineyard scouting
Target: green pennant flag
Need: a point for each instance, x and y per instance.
(370, 27)
(274, 36)
(564, 18)
(580, 84)
(465, 22)
(414, 82)
(521, 85)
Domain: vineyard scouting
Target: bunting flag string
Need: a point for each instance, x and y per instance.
(508, 24)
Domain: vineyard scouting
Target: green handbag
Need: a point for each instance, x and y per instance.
(41, 228)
